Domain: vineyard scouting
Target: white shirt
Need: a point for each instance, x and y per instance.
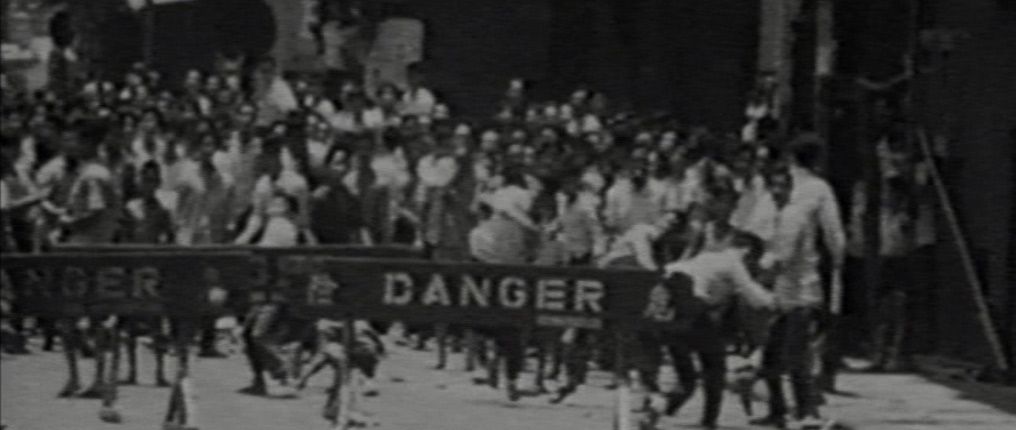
(720, 275)
(756, 211)
(816, 200)
(317, 152)
(797, 281)
(279, 232)
(417, 102)
(637, 242)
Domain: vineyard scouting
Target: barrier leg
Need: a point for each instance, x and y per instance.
(68, 337)
(346, 389)
(95, 390)
(441, 333)
(622, 411)
(181, 414)
(108, 413)
(470, 356)
(132, 360)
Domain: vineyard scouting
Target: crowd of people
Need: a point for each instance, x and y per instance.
(239, 155)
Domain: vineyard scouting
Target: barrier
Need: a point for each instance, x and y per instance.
(380, 283)
(171, 284)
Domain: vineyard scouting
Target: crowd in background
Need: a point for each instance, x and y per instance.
(239, 155)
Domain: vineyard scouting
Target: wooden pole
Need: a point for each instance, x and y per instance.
(109, 413)
(622, 411)
(182, 413)
(966, 258)
(347, 393)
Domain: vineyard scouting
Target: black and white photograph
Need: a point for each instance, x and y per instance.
(508, 214)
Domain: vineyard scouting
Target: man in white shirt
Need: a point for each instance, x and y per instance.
(806, 208)
(691, 301)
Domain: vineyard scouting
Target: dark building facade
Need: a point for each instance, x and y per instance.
(964, 92)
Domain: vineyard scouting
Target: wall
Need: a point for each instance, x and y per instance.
(972, 100)
(693, 57)
(473, 48)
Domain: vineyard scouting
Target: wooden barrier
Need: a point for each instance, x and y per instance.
(172, 284)
(381, 283)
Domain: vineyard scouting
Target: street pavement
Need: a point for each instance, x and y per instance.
(415, 396)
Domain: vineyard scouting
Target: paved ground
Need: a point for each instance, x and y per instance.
(416, 397)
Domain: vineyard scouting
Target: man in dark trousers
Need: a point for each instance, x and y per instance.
(690, 305)
(806, 210)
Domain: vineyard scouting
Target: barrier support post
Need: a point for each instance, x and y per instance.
(622, 411)
(109, 413)
(181, 414)
(347, 392)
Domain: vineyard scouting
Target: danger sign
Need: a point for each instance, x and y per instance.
(478, 294)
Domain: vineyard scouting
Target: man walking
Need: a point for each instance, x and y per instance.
(807, 208)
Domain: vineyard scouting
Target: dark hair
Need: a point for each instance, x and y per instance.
(484, 210)
(807, 151)
(571, 192)
(514, 176)
(160, 118)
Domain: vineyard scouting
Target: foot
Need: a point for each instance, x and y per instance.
(69, 390)
(110, 415)
(708, 425)
(513, 392)
(810, 423)
(769, 421)
(649, 421)
(212, 353)
(562, 393)
(162, 382)
(674, 403)
(370, 389)
(94, 392)
(254, 390)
